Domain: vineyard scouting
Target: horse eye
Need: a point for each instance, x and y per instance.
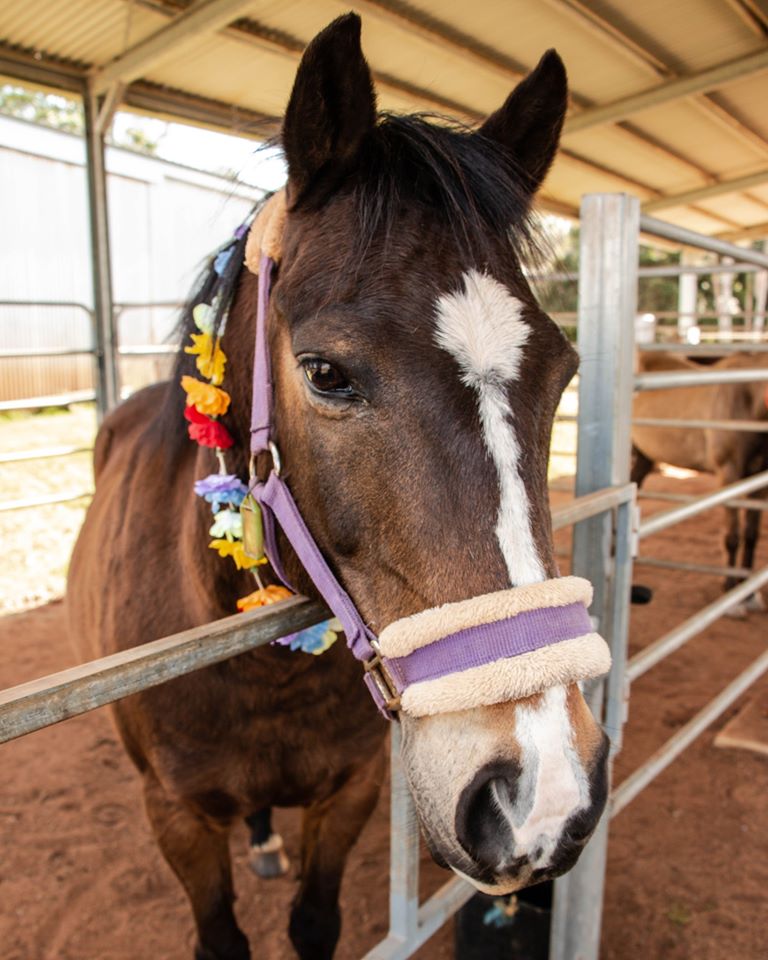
(325, 378)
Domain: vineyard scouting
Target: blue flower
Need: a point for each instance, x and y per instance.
(314, 640)
(222, 259)
(502, 913)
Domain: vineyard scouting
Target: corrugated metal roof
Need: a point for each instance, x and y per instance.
(464, 58)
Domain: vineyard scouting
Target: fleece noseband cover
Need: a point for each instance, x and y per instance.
(494, 648)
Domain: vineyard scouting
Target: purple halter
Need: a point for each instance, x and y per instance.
(386, 678)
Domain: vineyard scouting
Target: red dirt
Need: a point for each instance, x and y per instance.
(81, 878)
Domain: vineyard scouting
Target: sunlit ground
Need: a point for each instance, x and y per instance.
(562, 456)
(37, 541)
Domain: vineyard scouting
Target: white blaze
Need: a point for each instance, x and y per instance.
(554, 785)
(482, 328)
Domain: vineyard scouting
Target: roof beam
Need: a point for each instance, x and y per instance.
(634, 46)
(40, 70)
(203, 16)
(442, 34)
(758, 231)
(751, 15)
(736, 185)
(695, 83)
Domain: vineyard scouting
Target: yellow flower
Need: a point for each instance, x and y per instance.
(205, 398)
(235, 549)
(263, 597)
(211, 359)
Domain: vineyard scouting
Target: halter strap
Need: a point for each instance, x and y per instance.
(279, 506)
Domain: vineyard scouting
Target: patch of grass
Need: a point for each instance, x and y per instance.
(679, 914)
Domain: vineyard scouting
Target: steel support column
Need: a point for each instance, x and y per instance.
(108, 384)
(607, 308)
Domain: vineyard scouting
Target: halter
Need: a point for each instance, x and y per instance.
(489, 649)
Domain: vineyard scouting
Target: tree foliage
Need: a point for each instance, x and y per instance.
(64, 113)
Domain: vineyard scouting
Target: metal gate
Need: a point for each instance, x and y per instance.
(608, 275)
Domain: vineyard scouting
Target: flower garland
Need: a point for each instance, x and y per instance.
(228, 496)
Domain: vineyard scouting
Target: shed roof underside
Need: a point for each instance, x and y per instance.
(668, 100)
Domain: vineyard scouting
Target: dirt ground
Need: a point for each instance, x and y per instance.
(80, 878)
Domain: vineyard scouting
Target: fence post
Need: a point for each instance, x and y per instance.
(607, 307)
(107, 382)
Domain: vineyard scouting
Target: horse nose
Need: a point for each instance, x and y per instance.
(483, 827)
(497, 825)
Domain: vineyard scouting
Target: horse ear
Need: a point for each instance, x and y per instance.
(331, 110)
(528, 125)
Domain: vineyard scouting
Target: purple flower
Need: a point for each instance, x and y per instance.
(221, 488)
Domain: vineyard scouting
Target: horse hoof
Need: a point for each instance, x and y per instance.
(755, 603)
(739, 612)
(268, 859)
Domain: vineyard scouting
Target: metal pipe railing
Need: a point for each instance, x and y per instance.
(664, 270)
(30, 354)
(45, 501)
(43, 453)
(591, 504)
(745, 426)
(689, 238)
(738, 502)
(55, 400)
(716, 349)
(706, 568)
(642, 662)
(668, 518)
(637, 781)
(666, 379)
(64, 304)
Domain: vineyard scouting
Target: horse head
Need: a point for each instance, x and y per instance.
(416, 380)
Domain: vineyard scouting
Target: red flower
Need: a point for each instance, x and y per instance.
(207, 432)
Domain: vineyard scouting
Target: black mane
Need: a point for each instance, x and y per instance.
(467, 179)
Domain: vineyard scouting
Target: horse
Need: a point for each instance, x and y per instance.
(730, 455)
(415, 385)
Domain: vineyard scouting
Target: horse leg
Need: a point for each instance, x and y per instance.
(641, 467)
(331, 828)
(751, 537)
(198, 853)
(267, 856)
(732, 540)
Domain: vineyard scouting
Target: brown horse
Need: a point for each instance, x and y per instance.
(416, 381)
(729, 454)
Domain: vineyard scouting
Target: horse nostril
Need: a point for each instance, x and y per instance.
(482, 827)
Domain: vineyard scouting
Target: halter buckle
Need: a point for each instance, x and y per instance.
(377, 670)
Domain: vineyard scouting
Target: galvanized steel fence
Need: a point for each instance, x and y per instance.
(608, 275)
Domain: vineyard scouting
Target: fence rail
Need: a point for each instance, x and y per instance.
(39, 703)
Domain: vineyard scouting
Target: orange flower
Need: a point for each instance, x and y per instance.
(263, 597)
(211, 359)
(205, 398)
(235, 549)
